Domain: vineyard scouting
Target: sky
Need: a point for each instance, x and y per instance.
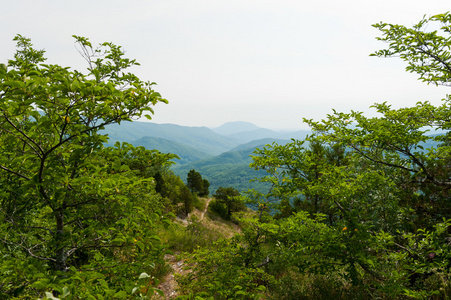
(269, 62)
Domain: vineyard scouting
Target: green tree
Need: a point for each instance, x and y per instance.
(393, 188)
(425, 47)
(205, 188)
(230, 198)
(68, 204)
(197, 184)
(373, 203)
(187, 200)
(296, 170)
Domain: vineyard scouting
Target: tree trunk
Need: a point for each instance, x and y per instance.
(60, 252)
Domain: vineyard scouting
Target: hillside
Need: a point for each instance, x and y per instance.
(261, 133)
(186, 153)
(260, 143)
(201, 138)
(222, 160)
(229, 169)
(245, 132)
(209, 141)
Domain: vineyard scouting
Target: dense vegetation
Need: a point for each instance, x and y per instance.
(77, 219)
(358, 210)
(363, 209)
(227, 169)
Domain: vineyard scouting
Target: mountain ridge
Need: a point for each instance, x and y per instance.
(201, 138)
(235, 127)
(223, 160)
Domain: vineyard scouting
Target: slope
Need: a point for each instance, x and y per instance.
(230, 169)
(201, 138)
(261, 133)
(186, 153)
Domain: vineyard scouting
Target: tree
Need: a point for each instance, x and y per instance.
(197, 184)
(394, 187)
(206, 186)
(68, 203)
(374, 210)
(426, 52)
(296, 170)
(230, 198)
(187, 200)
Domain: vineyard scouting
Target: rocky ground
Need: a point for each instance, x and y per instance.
(169, 285)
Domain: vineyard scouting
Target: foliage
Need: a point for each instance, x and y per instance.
(295, 170)
(197, 184)
(76, 219)
(206, 186)
(227, 201)
(187, 199)
(179, 198)
(220, 274)
(426, 52)
(362, 203)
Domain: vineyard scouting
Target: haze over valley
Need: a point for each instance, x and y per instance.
(222, 154)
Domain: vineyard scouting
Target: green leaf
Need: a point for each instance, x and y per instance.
(121, 294)
(143, 275)
(50, 296)
(66, 292)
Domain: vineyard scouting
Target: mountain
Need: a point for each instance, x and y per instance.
(186, 153)
(235, 127)
(245, 132)
(201, 138)
(221, 159)
(259, 144)
(261, 133)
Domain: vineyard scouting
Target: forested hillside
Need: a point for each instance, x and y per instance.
(230, 169)
(186, 154)
(235, 140)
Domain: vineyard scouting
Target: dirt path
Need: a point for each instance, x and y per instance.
(205, 210)
(185, 222)
(169, 285)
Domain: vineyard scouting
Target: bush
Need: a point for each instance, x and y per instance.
(219, 208)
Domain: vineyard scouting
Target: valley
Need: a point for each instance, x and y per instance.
(222, 155)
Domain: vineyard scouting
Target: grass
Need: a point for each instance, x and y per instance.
(198, 233)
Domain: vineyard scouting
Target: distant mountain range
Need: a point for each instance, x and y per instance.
(188, 141)
(221, 155)
(186, 153)
(200, 138)
(231, 128)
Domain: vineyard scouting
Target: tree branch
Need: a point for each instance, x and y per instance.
(14, 172)
(23, 134)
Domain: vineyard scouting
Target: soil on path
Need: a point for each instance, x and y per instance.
(169, 285)
(185, 222)
(205, 210)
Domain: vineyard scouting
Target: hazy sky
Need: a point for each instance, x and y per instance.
(270, 62)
